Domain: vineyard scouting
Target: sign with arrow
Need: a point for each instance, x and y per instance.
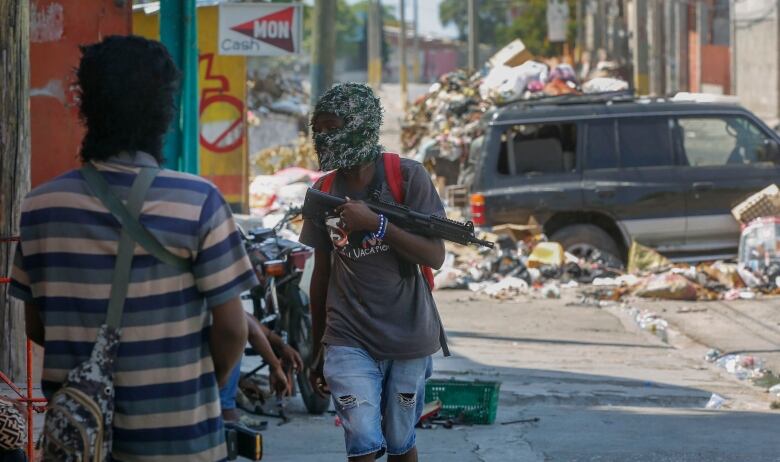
(260, 29)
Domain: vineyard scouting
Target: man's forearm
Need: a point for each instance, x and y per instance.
(260, 343)
(318, 295)
(228, 337)
(414, 248)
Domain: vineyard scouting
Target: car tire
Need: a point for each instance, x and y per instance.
(584, 240)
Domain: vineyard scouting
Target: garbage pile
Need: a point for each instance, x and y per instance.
(524, 262)
(284, 189)
(531, 265)
(279, 92)
(299, 153)
(439, 127)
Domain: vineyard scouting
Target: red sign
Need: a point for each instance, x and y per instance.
(275, 29)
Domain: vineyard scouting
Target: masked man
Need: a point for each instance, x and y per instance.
(372, 308)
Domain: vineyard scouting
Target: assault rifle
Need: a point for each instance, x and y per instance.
(318, 205)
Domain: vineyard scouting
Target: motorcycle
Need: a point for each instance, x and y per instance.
(278, 302)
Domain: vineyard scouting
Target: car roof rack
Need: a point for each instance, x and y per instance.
(591, 98)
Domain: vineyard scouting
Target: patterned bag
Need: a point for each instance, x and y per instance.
(12, 427)
(80, 415)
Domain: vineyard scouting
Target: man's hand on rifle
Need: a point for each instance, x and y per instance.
(356, 216)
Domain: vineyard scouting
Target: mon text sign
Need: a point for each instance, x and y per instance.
(260, 29)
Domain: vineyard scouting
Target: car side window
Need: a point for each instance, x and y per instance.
(538, 149)
(724, 140)
(600, 149)
(645, 142)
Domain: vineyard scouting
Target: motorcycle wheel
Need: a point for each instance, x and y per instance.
(315, 404)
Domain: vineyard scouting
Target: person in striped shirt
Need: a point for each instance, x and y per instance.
(182, 332)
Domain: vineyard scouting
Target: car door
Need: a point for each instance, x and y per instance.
(535, 173)
(629, 175)
(725, 159)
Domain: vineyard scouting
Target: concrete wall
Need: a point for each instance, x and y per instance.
(757, 57)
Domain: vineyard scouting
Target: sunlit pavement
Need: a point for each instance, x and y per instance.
(603, 390)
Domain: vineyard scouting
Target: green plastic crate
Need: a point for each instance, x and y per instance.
(475, 401)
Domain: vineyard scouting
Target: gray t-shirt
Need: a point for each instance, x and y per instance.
(373, 302)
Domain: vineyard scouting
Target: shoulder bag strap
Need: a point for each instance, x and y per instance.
(124, 259)
(129, 223)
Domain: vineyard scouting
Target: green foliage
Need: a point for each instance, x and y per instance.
(492, 15)
(530, 26)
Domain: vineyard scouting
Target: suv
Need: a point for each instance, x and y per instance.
(600, 172)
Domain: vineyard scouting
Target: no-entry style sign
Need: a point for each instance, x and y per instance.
(260, 29)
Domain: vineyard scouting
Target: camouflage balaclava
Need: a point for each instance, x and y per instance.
(357, 142)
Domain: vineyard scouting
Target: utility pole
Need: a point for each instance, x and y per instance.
(701, 12)
(733, 47)
(14, 170)
(323, 54)
(402, 48)
(416, 47)
(179, 33)
(374, 44)
(638, 25)
(656, 39)
(473, 35)
(580, 44)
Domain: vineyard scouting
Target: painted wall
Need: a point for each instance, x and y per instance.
(757, 57)
(222, 95)
(57, 28)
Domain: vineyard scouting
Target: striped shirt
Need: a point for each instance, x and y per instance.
(167, 401)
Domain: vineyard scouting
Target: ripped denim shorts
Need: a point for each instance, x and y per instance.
(379, 402)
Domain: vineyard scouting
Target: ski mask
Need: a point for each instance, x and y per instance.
(357, 142)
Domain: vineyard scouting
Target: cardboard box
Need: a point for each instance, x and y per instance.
(511, 55)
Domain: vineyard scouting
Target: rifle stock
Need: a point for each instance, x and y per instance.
(318, 205)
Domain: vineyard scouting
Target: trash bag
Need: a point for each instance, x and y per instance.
(505, 83)
(667, 286)
(604, 84)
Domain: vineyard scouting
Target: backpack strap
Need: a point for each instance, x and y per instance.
(393, 175)
(141, 235)
(327, 182)
(395, 182)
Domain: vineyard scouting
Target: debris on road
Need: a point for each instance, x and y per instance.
(651, 322)
(759, 254)
(531, 420)
(716, 402)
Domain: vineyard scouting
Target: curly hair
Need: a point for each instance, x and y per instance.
(128, 87)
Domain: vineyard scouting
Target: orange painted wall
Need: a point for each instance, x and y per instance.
(57, 28)
(716, 66)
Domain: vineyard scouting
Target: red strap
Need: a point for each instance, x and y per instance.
(327, 182)
(393, 174)
(395, 183)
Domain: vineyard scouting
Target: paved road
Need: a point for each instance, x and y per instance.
(604, 391)
(749, 327)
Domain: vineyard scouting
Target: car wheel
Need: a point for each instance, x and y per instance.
(589, 242)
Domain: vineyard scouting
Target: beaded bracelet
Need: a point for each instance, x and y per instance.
(380, 233)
